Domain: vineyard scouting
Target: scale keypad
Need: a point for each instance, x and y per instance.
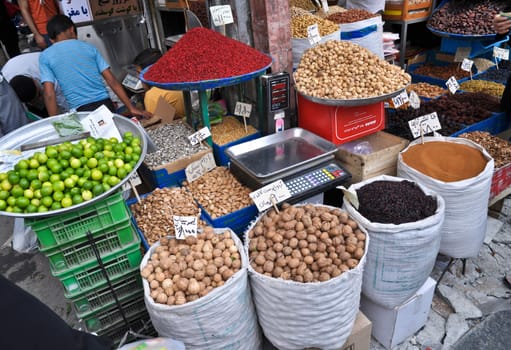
(314, 178)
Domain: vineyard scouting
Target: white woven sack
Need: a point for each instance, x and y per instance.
(466, 202)
(296, 315)
(400, 257)
(367, 33)
(299, 46)
(223, 319)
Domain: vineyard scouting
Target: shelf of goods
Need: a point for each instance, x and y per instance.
(185, 49)
(403, 10)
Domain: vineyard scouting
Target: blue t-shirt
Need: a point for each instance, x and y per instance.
(77, 67)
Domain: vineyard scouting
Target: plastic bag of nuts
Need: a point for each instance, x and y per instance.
(314, 255)
(188, 283)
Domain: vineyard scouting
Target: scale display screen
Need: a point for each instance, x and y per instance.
(277, 91)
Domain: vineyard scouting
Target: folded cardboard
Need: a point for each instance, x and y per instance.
(392, 326)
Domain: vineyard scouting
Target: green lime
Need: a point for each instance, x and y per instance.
(75, 163)
(24, 183)
(113, 180)
(83, 160)
(33, 163)
(112, 171)
(31, 208)
(58, 196)
(64, 163)
(56, 168)
(136, 149)
(41, 157)
(69, 182)
(87, 185)
(88, 153)
(51, 152)
(128, 167)
(76, 151)
(32, 174)
(75, 190)
(17, 210)
(96, 174)
(119, 163)
(86, 173)
(42, 209)
(17, 191)
(79, 172)
(66, 202)
(22, 164)
(28, 193)
(37, 194)
(11, 201)
(92, 163)
(65, 154)
(56, 206)
(106, 187)
(53, 178)
(3, 176)
(43, 176)
(5, 185)
(36, 184)
(103, 167)
(58, 186)
(4, 194)
(128, 158)
(99, 155)
(3, 204)
(121, 173)
(13, 177)
(23, 172)
(127, 134)
(77, 199)
(97, 189)
(35, 201)
(87, 195)
(22, 202)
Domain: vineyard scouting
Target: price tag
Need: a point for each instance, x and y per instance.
(200, 167)
(351, 196)
(243, 109)
(185, 226)
(199, 135)
(467, 64)
(313, 34)
(133, 180)
(400, 99)
(452, 84)
(501, 53)
(461, 53)
(276, 191)
(415, 101)
(428, 123)
(221, 15)
(324, 6)
(100, 124)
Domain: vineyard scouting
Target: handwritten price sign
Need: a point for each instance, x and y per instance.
(400, 99)
(313, 34)
(200, 167)
(268, 195)
(185, 226)
(221, 15)
(199, 135)
(428, 123)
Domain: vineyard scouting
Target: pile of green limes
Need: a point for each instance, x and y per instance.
(68, 174)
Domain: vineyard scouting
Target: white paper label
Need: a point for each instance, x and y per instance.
(428, 123)
(501, 53)
(313, 34)
(279, 115)
(452, 84)
(400, 99)
(243, 109)
(100, 123)
(467, 64)
(266, 196)
(461, 53)
(200, 167)
(221, 15)
(324, 6)
(78, 10)
(415, 101)
(185, 226)
(134, 180)
(199, 135)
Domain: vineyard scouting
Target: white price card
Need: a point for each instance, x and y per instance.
(200, 167)
(313, 34)
(351, 196)
(185, 226)
(221, 15)
(415, 101)
(501, 53)
(134, 180)
(452, 84)
(100, 123)
(199, 135)
(268, 195)
(467, 64)
(243, 109)
(324, 6)
(461, 53)
(428, 123)
(400, 99)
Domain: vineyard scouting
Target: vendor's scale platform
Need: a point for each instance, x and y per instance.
(304, 161)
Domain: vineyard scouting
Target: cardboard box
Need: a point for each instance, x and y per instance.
(392, 326)
(360, 337)
(406, 10)
(340, 124)
(381, 161)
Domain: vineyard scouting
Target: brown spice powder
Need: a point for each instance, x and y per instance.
(445, 161)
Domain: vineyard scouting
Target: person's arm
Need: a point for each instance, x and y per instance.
(27, 16)
(111, 80)
(50, 99)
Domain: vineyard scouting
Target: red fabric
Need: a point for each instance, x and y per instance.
(12, 9)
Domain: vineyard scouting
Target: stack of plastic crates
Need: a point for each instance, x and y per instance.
(72, 255)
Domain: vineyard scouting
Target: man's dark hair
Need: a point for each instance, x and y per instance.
(25, 87)
(147, 57)
(59, 24)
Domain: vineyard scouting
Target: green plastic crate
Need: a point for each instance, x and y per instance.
(124, 287)
(65, 228)
(109, 240)
(90, 275)
(102, 320)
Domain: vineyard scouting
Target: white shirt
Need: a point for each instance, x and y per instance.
(27, 64)
(372, 6)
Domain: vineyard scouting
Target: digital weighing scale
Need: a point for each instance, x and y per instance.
(304, 161)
